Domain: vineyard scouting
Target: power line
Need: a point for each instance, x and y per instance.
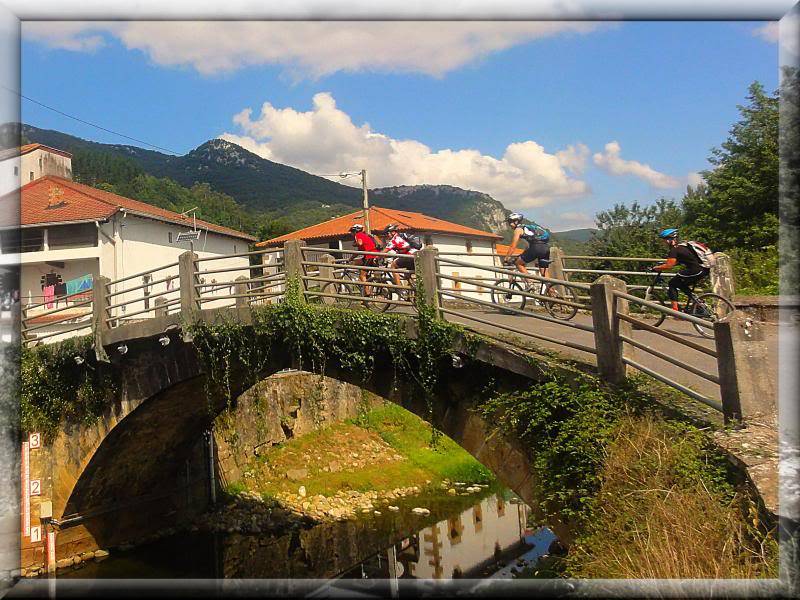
(127, 137)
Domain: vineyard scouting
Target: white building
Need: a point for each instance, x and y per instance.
(469, 245)
(72, 233)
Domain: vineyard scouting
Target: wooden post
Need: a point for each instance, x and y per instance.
(240, 289)
(721, 275)
(100, 315)
(426, 259)
(607, 327)
(746, 388)
(187, 275)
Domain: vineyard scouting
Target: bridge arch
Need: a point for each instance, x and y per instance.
(123, 473)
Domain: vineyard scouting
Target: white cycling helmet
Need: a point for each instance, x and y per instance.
(356, 228)
(514, 217)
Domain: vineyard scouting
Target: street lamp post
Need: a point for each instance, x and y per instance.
(363, 174)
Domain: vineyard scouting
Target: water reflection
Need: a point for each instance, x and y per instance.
(463, 537)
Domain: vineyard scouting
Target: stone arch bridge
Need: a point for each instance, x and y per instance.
(146, 460)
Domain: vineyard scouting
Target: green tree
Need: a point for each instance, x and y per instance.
(632, 230)
(738, 205)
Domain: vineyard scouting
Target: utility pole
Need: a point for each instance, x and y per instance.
(366, 200)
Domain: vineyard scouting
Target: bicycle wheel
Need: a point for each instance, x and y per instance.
(510, 296)
(339, 288)
(556, 309)
(654, 317)
(711, 308)
(378, 292)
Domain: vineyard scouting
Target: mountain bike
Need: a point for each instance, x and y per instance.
(708, 306)
(348, 286)
(512, 297)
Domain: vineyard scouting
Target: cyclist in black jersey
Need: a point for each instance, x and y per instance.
(680, 254)
(538, 239)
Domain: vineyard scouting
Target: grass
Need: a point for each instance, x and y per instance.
(410, 436)
(666, 510)
(389, 432)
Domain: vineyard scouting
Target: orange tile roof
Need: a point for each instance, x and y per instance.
(503, 248)
(78, 202)
(31, 147)
(379, 218)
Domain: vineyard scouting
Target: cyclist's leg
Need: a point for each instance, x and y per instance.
(683, 280)
(395, 276)
(675, 284)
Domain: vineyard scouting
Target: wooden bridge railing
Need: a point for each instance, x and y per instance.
(608, 336)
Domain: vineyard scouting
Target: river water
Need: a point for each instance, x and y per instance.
(477, 536)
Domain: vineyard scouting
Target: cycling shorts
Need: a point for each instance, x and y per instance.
(539, 253)
(405, 262)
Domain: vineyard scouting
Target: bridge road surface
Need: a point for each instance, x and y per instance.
(692, 357)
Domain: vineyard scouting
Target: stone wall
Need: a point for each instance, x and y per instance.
(283, 406)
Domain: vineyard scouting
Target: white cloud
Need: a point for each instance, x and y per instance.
(324, 140)
(66, 35)
(574, 157)
(308, 48)
(694, 179)
(767, 32)
(610, 161)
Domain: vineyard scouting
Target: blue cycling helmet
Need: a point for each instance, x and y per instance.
(668, 233)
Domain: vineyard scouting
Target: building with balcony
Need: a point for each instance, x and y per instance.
(71, 233)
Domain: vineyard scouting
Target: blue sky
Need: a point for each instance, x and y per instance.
(558, 120)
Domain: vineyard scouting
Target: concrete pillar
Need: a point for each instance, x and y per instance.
(326, 272)
(160, 309)
(426, 262)
(99, 315)
(721, 275)
(187, 275)
(746, 388)
(238, 289)
(607, 327)
(292, 261)
(556, 268)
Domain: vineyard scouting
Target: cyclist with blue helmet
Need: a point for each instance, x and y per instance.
(538, 249)
(680, 254)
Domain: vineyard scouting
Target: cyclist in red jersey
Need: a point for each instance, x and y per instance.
(365, 243)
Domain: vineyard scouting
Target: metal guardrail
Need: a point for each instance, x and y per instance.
(625, 335)
(608, 303)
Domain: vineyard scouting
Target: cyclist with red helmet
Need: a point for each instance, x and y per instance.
(365, 243)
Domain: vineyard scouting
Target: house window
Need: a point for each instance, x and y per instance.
(429, 240)
(169, 237)
(469, 246)
(23, 240)
(234, 249)
(31, 175)
(40, 162)
(477, 517)
(82, 235)
(16, 171)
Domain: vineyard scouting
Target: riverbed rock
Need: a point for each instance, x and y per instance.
(420, 511)
(302, 491)
(393, 508)
(63, 563)
(451, 492)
